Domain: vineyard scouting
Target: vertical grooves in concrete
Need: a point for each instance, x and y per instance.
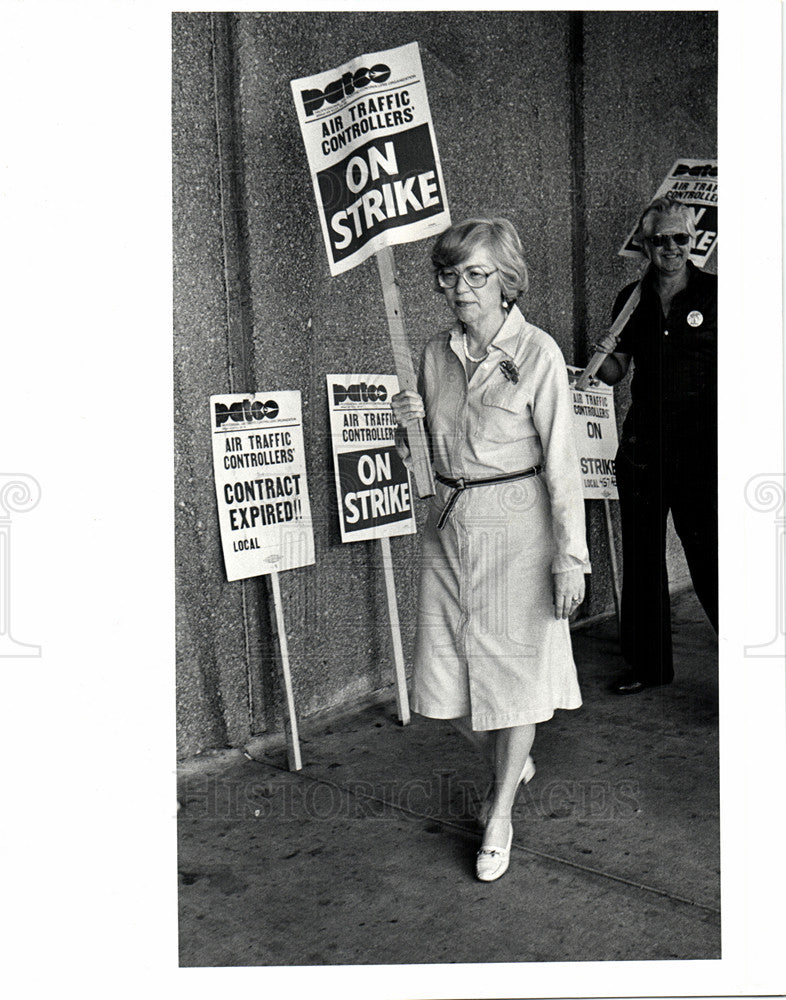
(577, 189)
(578, 227)
(239, 339)
(239, 322)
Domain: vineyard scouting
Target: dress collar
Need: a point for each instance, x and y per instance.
(506, 339)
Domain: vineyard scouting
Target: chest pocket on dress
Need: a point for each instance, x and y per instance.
(501, 412)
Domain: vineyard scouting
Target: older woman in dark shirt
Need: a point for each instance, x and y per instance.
(668, 454)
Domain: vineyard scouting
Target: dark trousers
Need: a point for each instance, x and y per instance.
(687, 484)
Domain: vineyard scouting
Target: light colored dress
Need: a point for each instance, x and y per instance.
(488, 645)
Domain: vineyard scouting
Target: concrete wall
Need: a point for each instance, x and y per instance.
(565, 123)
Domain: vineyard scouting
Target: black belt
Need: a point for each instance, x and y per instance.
(459, 485)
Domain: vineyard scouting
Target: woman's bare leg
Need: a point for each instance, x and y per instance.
(484, 742)
(512, 749)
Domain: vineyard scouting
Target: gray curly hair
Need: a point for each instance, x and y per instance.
(667, 205)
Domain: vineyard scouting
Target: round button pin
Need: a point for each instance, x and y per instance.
(695, 318)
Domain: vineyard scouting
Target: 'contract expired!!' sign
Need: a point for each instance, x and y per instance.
(259, 466)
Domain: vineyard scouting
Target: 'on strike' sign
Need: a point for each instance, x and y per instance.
(372, 154)
(695, 183)
(373, 486)
(595, 435)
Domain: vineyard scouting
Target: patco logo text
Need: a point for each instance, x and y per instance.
(245, 411)
(702, 170)
(360, 393)
(344, 87)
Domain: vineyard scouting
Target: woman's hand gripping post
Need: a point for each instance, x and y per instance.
(407, 407)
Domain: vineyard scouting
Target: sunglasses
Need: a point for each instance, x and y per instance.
(662, 239)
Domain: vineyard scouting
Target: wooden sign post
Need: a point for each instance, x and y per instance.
(402, 358)
(293, 739)
(615, 331)
(402, 698)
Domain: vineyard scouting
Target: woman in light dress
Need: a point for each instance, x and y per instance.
(504, 551)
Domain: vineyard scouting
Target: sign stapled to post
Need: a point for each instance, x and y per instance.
(595, 435)
(372, 484)
(695, 183)
(259, 466)
(372, 154)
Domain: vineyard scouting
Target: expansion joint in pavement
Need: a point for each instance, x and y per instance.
(447, 824)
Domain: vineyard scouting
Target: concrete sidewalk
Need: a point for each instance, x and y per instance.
(366, 856)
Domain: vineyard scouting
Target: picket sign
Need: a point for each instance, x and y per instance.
(293, 739)
(356, 401)
(261, 539)
(418, 444)
(695, 184)
(402, 698)
(583, 382)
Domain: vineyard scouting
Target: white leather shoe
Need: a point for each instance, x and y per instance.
(527, 774)
(492, 862)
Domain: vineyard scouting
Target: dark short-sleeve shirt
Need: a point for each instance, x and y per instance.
(674, 387)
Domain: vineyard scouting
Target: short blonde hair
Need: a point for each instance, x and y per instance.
(494, 234)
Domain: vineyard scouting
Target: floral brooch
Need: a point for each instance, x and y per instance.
(510, 371)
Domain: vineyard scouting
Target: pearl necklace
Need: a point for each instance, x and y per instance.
(467, 355)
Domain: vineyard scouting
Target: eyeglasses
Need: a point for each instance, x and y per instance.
(662, 239)
(475, 277)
